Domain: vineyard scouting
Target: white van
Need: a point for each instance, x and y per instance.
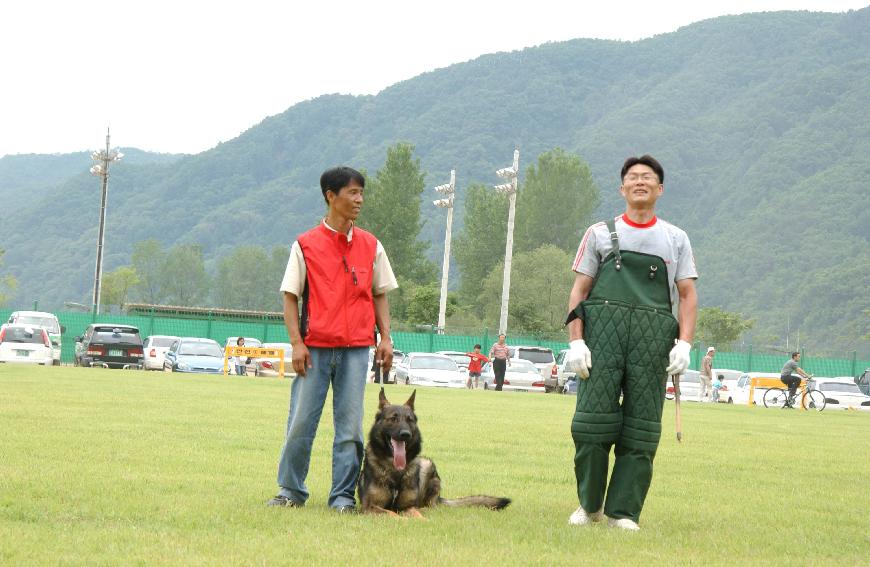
(544, 361)
(47, 321)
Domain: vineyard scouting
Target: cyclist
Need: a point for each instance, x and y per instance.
(789, 379)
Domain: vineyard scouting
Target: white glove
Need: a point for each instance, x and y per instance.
(679, 358)
(579, 358)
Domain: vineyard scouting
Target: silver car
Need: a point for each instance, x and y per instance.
(429, 369)
(520, 375)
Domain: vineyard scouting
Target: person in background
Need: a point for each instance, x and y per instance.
(501, 359)
(717, 386)
(790, 379)
(241, 362)
(706, 375)
(474, 366)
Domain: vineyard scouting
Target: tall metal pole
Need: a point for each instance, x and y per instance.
(510, 173)
(103, 157)
(448, 190)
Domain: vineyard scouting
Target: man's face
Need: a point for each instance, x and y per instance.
(797, 358)
(348, 201)
(640, 186)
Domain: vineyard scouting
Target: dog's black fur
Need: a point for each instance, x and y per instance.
(390, 483)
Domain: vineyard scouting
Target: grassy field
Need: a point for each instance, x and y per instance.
(105, 467)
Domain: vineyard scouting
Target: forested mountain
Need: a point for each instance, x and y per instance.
(762, 122)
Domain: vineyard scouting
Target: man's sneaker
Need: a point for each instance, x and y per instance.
(282, 500)
(623, 523)
(581, 518)
(346, 509)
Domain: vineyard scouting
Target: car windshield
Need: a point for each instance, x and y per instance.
(537, 356)
(433, 363)
(840, 387)
(109, 335)
(458, 358)
(22, 335)
(690, 376)
(162, 342)
(249, 342)
(200, 349)
(522, 366)
(50, 323)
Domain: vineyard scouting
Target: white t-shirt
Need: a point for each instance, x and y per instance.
(657, 237)
(383, 279)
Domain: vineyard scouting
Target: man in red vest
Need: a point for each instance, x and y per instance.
(342, 275)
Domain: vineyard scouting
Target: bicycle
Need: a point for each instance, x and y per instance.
(811, 399)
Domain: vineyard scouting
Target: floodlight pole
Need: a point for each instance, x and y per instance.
(448, 190)
(510, 189)
(101, 169)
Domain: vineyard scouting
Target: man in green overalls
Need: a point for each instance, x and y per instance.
(622, 343)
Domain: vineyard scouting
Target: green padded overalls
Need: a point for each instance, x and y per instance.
(629, 328)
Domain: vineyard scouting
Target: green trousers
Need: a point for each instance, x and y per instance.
(630, 346)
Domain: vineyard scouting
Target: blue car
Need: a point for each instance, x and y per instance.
(189, 354)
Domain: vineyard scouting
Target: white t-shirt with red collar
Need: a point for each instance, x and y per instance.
(656, 237)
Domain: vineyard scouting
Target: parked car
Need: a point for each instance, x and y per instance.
(47, 321)
(863, 382)
(729, 383)
(740, 393)
(841, 392)
(109, 346)
(460, 358)
(690, 386)
(191, 354)
(390, 378)
(25, 343)
(429, 369)
(544, 361)
(520, 375)
(155, 348)
(565, 375)
(271, 366)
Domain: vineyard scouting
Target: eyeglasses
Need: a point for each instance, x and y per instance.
(646, 177)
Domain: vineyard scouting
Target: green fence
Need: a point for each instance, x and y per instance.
(220, 327)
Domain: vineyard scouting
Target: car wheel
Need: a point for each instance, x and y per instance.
(486, 385)
(76, 361)
(407, 381)
(730, 400)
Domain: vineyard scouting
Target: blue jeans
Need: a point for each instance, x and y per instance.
(345, 369)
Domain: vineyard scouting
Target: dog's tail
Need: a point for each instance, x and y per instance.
(483, 501)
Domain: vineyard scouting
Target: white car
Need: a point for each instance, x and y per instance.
(272, 366)
(739, 394)
(25, 343)
(544, 361)
(47, 321)
(460, 358)
(690, 386)
(154, 349)
(429, 369)
(841, 392)
(520, 376)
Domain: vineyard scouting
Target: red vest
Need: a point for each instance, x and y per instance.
(337, 305)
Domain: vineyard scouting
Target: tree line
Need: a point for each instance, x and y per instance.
(555, 203)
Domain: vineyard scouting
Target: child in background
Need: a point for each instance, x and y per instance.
(474, 366)
(717, 385)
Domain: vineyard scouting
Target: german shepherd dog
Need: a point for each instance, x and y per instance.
(395, 479)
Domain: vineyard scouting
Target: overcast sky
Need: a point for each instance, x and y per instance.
(181, 76)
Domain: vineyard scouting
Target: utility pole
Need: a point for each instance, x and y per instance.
(509, 189)
(448, 190)
(101, 169)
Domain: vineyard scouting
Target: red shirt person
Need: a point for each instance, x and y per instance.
(474, 365)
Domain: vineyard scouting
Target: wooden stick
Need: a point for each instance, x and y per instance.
(676, 380)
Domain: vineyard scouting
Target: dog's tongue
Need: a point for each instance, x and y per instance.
(398, 454)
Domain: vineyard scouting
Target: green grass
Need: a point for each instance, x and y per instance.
(105, 467)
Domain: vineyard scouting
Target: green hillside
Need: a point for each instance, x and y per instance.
(761, 121)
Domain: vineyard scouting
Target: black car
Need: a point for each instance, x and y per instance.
(108, 345)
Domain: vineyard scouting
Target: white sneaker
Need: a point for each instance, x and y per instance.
(623, 523)
(581, 518)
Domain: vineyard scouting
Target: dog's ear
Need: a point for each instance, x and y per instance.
(410, 402)
(382, 400)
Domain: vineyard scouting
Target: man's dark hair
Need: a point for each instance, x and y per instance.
(794, 354)
(336, 178)
(476, 346)
(647, 160)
